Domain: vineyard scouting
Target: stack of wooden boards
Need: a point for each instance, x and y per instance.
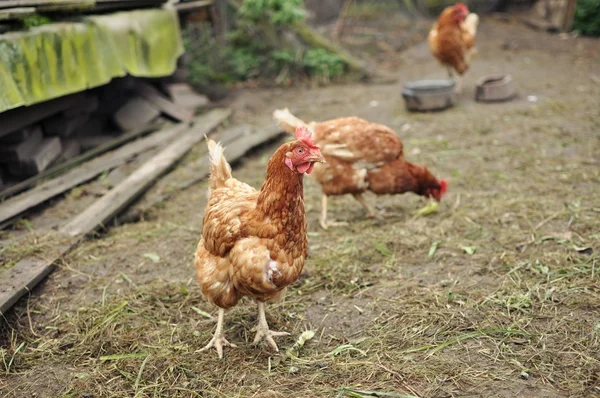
(33, 139)
(176, 140)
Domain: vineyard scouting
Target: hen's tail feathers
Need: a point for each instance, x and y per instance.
(287, 121)
(471, 22)
(220, 170)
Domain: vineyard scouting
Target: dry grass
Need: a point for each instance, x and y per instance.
(496, 295)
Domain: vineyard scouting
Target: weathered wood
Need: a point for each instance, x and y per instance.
(88, 142)
(23, 185)
(31, 3)
(183, 94)
(157, 99)
(16, 119)
(136, 111)
(16, 13)
(18, 204)
(71, 149)
(26, 274)
(126, 192)
(39, 159)
(19, 152)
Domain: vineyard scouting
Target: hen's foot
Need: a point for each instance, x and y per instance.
(267, 334)
(218, 342)
(262, 329)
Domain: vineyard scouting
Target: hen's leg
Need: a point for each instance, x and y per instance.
(323, 220)
(263, 331)
(218, 340)
(450, 74)
(458, 87)
(370, 212)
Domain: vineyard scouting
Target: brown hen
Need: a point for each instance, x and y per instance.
(254, 242)
(452, 40)
(362, 156)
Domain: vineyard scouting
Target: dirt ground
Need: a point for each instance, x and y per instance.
(496, 295)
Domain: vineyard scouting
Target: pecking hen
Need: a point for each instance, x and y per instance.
(362, 156)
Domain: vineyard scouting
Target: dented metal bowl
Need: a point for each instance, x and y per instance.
(429, 95)
(495, 88)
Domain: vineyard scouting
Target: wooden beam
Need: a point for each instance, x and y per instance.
(16, 13)
(18, 204)
(18, 118)
(140, 180)
(161, 102)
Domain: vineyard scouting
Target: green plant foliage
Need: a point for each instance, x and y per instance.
(282, 58)
(279, 12)
(31, 21)
(587, 17)
(321, 62)
(252, 51)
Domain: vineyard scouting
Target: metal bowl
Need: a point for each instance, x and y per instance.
(429, 95)
(495, 88)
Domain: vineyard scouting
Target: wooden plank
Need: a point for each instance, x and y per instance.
(16, 13)
(26, 274)
(237, 142)
(16, 119)
(160, 101)
(18, 152)
(18, 204)
(126, 192)
(39, 160)
(184, 95)
(32, 3)
(135, 111)
(123, 139)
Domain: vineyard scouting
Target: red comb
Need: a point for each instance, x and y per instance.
(443, 187)
(304, 135)
(462, 6)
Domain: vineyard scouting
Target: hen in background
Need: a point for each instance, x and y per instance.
(254, 242)
(452, 40)
(362, 156)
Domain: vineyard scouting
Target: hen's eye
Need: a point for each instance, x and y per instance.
(300, 151)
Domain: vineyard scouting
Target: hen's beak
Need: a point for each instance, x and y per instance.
(316, 156)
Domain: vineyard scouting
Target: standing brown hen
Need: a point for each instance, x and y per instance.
(254, 242)
(363, 156)
(452, 40)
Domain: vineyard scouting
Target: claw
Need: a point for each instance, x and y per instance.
(268, 336)
(218, 342)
